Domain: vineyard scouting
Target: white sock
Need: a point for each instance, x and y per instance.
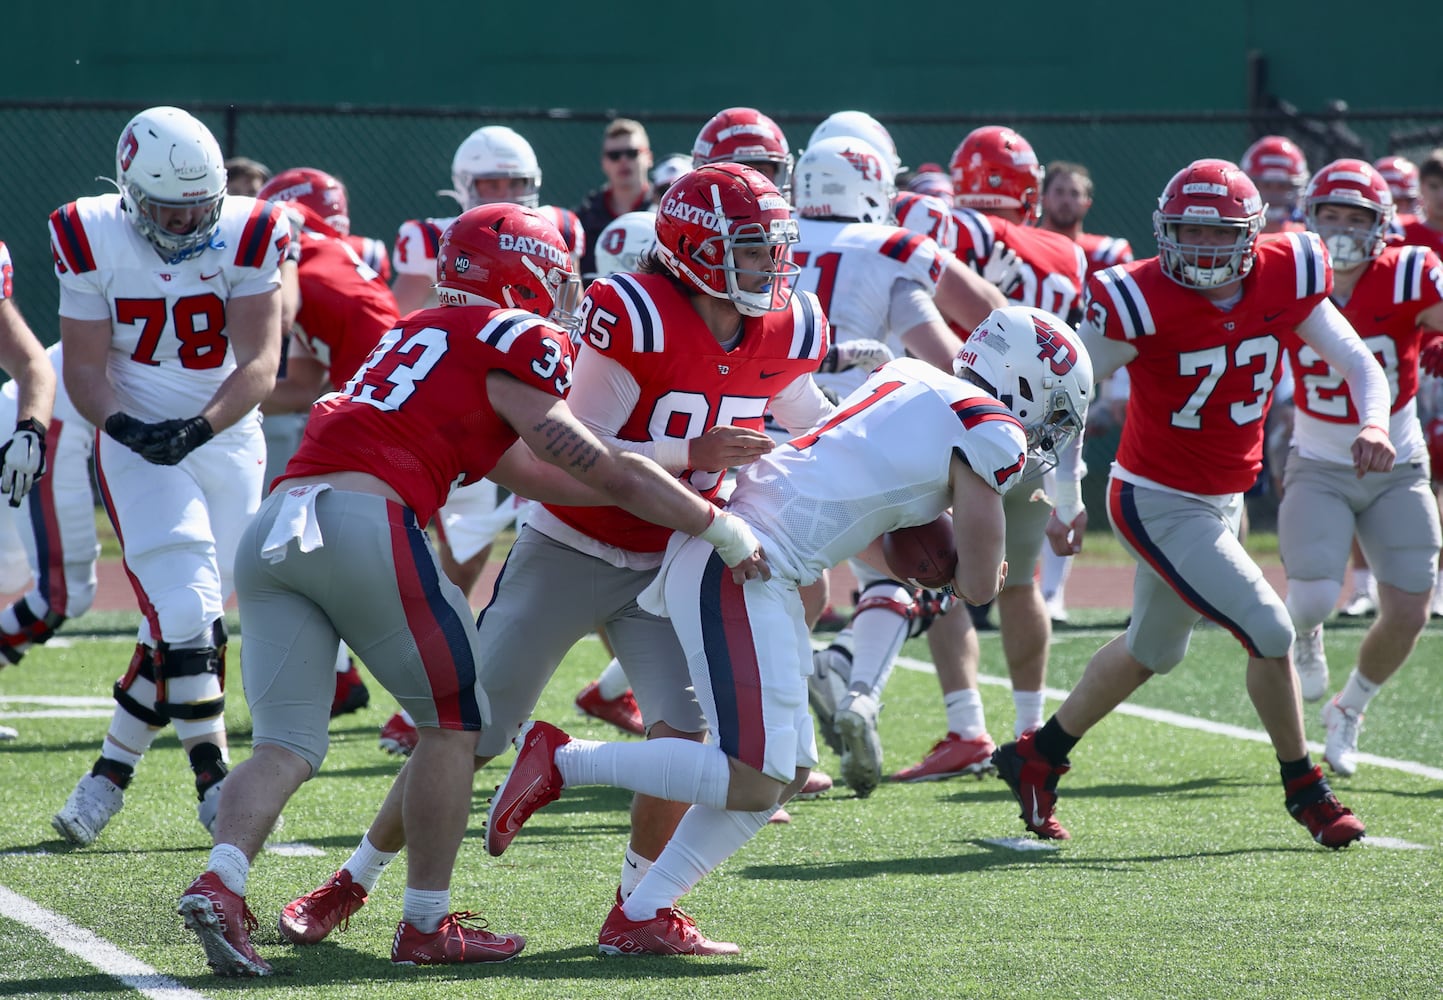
(367, 863)
(612, 683)
(679, 770)
(877, 637)
(704, 838)
(1028, 705)
(1055, 569)
(231, 864)
(1362, 580)
(407, 717)
(1358, 692)
(112, 750)
(343, 659)
(633, 868)
(964, 713)
(424, 908)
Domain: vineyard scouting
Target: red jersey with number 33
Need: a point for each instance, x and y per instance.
(688, 381)
(416, 414)
(1204, 376)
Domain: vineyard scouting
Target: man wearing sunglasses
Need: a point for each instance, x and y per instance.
(626, 162)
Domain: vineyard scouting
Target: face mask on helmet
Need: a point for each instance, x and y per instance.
(843, 178)
(1350, 207)
(1034, 364)
(172, 181)
(495, 165)
(724, 229)
(1207, 224)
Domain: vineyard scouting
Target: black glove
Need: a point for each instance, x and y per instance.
(22, 459)
(126, 429)
(169, 441)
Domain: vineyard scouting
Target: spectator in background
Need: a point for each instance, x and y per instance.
(245, 176)
(1066, 200)
(625, 160)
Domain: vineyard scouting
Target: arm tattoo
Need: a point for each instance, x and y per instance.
(564, 442)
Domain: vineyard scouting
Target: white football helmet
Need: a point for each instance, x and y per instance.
(860, 125)
(166, 159)
(624, 240)
(843, 178)
(1036, 366)
(494, 151)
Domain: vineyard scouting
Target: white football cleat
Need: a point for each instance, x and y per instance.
(89, 808)
(861, 744)
(1341, 748)
(1362, 604)
(1311, 663)
(6, 733)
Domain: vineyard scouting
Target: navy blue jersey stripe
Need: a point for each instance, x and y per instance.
(633, 292)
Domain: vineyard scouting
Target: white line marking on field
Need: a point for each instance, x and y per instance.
(295, 850)
(61, 713)
(63, 701)
(1020, 844)
(1201, 725)
(93, 950)
(1393, 844)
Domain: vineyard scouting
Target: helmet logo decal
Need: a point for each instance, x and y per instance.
(1205, 187)
(694, 214)
(527, 245)
(1053, 347)
(129, 146)
(462, 264)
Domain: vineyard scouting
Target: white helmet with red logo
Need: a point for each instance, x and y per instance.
(1036, 366)
(859, 125)
(167, 159)
(843, 178)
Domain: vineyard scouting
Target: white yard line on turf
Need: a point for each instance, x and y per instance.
(94, 950)
(1202, 725)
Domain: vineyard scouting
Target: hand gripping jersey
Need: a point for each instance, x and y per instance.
(1053, 267)
(416, 414)
(345, 305)
(1104, 251)
(1203, 376)
(882, 462)
(687, 381)
(851, 268)
(1384, 306)
(168, 348)
(7, 272)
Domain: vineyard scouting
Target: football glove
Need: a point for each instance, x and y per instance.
(126, 429)
(22, 459)
(867, 354)
(1004, 268)
(166, 442)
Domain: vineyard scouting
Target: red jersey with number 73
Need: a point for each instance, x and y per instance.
(416, 415)
(1204, 376)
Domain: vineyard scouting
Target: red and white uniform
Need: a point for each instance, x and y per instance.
(853, 268)
(926, 214)
(346, 306)
(1054, 268)
(882, 462)
(1384, 306)
(416, 414)
(373, 252)
(671, 381)
(1203, 376)
(1104, 251)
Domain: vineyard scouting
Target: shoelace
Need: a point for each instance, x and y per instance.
(1349, 722)
(465, 920)
(334, 888)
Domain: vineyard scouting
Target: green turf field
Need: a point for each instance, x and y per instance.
(1185, 877)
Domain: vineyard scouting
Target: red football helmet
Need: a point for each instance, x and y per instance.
(1208, 193)
(506, 254)
(1354, 183)
(319, 197)
(709, 212)
(744, 135)
(1280, 170)
(993, 168)
(1401, 174)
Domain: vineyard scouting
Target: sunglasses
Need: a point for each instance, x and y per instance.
(622, 154)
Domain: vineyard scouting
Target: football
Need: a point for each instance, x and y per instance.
(926, 553)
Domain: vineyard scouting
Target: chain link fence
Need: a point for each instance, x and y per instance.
(394, 160)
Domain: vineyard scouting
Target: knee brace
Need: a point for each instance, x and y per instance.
(27, 628)
(139, 680)
(190, 683)
(919, 608)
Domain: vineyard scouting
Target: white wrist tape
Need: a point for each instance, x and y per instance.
(731, 537)
(1068, 503)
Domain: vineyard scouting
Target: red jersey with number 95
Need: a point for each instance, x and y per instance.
(1203, 376)
(686, 381)
(416, 414)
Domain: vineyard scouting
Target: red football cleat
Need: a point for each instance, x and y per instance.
(532, 782)
(461, 937)
(670, 932)
(621, 711)
(223, 923)
(398, 736)
(310, 918)
(1310, 801)
(1033, 780)
(950, 757)
(351, 694)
